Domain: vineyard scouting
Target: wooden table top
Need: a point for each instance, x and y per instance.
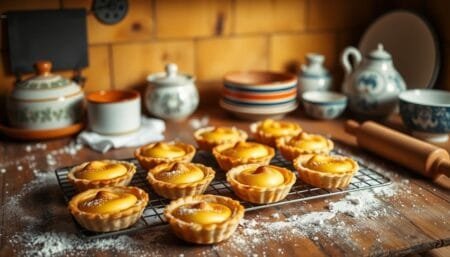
(410, 216)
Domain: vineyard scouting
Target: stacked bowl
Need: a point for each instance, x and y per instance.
(257, 95)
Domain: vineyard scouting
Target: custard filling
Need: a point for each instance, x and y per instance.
(181, 173)
(105, 202)
(263, 176)
(246, 150)
(100, 170)
(203, 213)
(308, 141)
(164, 150)
(279, 128)
(328, 164)
(221, 134)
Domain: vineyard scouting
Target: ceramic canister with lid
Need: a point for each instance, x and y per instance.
(171, 95)
(45, 101)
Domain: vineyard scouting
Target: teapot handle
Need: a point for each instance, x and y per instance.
(350, 51)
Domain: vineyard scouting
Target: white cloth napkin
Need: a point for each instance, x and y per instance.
(151, 130)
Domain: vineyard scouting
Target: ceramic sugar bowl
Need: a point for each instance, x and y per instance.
(171, 95)
(45, 101)
(314, 76)
(373, 85)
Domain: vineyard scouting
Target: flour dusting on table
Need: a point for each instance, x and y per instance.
(339, 217)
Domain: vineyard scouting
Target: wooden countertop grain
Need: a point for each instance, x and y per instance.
(415, 221)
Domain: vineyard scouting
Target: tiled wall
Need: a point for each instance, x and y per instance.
(210, 37)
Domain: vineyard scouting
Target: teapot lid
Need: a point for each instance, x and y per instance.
(379, 54)
(44, 85)
(170, 77)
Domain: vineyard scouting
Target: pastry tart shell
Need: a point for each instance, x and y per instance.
(208, 145)
(290, 152)
(204, 234)
(265, 138)
(226, 162)
(85, 184)
(324, 179)
(260, 195)
(109, 221)
(149, 162)
(175, 191)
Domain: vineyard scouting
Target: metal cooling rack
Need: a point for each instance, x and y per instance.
(153, 214)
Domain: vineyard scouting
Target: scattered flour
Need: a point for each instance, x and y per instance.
(199, 123)
(29, 159)
(40, 239)
(358, 206)
(36, 241)
(63, 244)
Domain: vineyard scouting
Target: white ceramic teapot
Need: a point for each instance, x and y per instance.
(372, 86)
(171, 95)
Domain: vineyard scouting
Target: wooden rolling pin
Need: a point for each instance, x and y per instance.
(421, 157)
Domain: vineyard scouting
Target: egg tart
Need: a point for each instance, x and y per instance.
(162, 152)
(232, 155)
(326, 171)
(102, 173)
(303, 143)
(204, 219)
(209, 137)
(109, 208)
(259, 184)
(267, 131)
(176, 179)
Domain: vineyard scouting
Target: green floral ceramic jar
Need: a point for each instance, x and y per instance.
(45, 101)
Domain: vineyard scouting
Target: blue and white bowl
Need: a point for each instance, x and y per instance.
(324, 104)
(426, 112)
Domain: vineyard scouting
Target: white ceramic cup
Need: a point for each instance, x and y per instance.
(114, 112)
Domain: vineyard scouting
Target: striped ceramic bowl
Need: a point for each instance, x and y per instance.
(259, 89)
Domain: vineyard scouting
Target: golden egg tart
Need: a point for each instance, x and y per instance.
(326, 171)
(204, 219)
(176, 179)
(162, 152)
(101, 173)
(209, 137)
(260, 184)
(303, 143)
(109, 208)
(232, 155)
(267, 131)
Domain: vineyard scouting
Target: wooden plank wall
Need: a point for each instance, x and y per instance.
(210, 37)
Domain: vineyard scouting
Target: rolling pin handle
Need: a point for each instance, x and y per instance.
(443, 168)
(351, 127)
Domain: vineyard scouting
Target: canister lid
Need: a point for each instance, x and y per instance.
(44, 85)
(171, 77)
